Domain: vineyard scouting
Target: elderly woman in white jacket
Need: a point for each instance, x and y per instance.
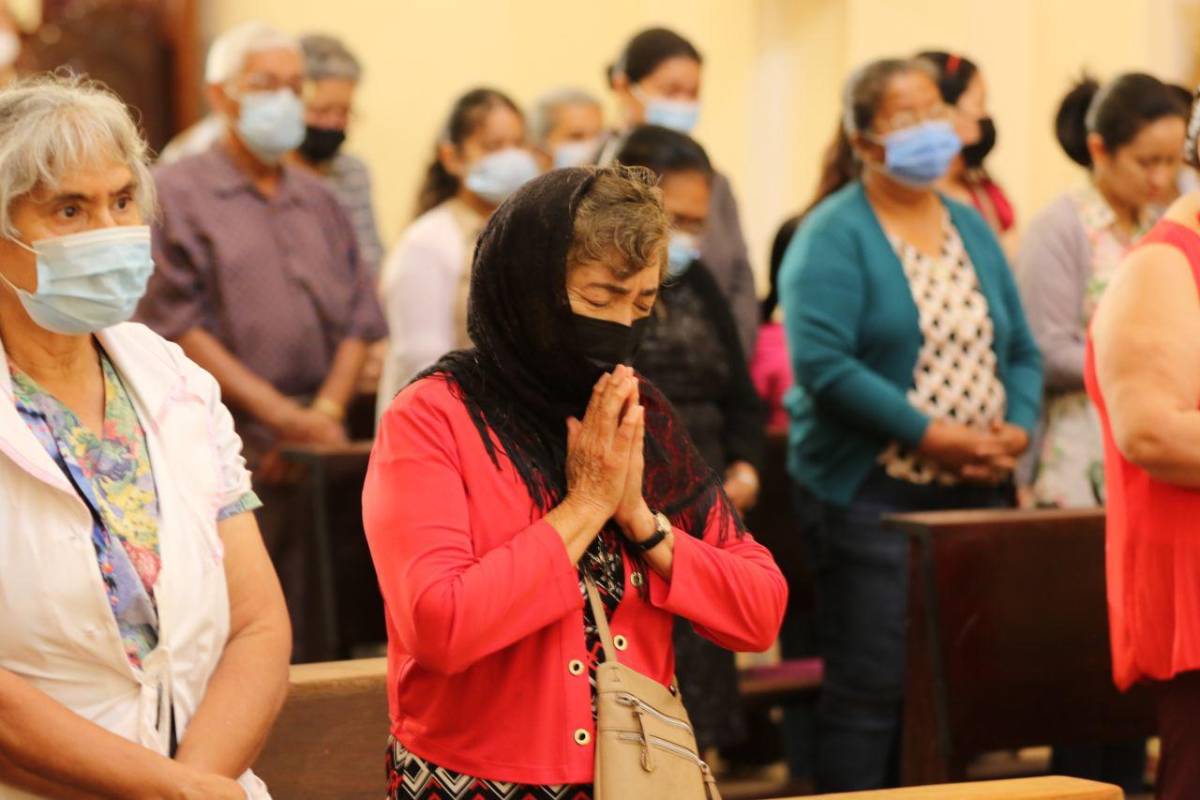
(144, 639)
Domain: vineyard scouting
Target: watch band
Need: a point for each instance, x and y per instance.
(662, 528)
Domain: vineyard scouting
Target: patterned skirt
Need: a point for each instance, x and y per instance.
(411, 777)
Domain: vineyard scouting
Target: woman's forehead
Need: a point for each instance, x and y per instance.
(602, 274)
(909, 91)
(98, 178)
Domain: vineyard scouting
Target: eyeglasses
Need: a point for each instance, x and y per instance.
(908, 119)
(265, 82)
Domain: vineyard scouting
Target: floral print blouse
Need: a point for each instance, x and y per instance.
(112, 474)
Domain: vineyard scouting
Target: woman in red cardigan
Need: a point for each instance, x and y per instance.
(509, 471)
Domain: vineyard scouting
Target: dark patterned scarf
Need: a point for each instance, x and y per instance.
(527, 373)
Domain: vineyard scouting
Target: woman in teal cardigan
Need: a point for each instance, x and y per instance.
(917, 384)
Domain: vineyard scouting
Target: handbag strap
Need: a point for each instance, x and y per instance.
(601, 619)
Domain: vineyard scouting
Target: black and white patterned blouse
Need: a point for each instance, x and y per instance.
(955, 376)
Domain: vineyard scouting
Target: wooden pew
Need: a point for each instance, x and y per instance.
(1008, 639)
(329, 743)
(1047, 788)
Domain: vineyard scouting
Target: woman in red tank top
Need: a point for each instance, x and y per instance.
(1143, 373)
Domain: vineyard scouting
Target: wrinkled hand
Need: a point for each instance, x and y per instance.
(633, 513)
(599, 447)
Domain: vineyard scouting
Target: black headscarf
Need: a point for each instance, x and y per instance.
(527, 372)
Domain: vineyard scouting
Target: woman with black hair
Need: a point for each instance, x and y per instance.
(691, 352)
(917, 383)
(968, 181)
(1129, 135)
(657, 81)
(480, 158)
(512, 473)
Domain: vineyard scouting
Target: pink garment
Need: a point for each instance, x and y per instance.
(771, 369)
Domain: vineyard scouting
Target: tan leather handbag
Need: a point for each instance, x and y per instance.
(645, 747)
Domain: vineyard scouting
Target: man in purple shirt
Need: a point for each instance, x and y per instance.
(260, 280)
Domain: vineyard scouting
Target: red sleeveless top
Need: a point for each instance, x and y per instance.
(1153, 541)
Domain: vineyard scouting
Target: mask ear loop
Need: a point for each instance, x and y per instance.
(19, 243)
(20, 292)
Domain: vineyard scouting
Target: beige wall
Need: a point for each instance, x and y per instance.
(772, 76)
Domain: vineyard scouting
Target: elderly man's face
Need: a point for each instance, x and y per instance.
(329, 102)
(575, 125)
(264, 71)
(101, 196)
(579, 122)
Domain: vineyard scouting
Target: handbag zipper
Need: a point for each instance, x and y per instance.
(663, 744)
(624, 698)
(680, 751)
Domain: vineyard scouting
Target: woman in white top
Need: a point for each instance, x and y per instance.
(144, 642)
(480, 159)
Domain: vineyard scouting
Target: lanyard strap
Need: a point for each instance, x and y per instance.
(601, 619)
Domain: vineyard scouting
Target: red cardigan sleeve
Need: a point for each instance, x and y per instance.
(451, 606)
(732, 592)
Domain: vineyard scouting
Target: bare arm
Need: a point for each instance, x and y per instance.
(342, 379)
(250, 684)
(240, 387)
(1147, 343)
(47, 748)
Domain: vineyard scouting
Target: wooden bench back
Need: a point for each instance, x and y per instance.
(1008, 639)
(329, 742)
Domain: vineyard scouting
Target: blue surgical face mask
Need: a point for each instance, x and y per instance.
(271, 123)
(678, 115)
(88, 281)
(575, 154)
(681, 252)
(918, 156)
(497, 175)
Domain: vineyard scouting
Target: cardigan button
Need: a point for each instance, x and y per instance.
(575, 667)
(582, 737)
(620, 642)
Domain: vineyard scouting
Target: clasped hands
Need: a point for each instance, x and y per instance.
(606, 456)
(977, 456)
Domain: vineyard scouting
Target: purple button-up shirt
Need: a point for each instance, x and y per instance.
(278, 281)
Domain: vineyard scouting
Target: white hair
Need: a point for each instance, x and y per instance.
(227, 55)
(51, 125)
(327, 56)
(546, 108)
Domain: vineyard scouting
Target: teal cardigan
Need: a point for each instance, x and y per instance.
(854, 338)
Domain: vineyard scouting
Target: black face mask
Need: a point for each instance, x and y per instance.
(973, 154)
(321, 144)
(607, 344)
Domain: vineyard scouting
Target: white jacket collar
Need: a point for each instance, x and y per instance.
(152, 376)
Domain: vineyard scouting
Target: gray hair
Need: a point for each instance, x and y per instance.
(51, 125)
(228, 53)
(866, 86)
(327, 56)
(548, 105)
